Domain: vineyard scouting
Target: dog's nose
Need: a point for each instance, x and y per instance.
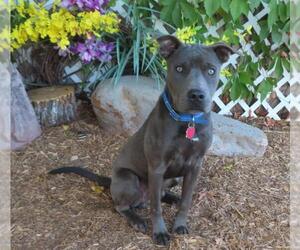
(196, 95)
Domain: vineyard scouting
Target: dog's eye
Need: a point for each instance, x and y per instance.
(179, 69)
(211, 71)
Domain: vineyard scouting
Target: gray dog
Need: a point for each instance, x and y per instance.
(172, 141)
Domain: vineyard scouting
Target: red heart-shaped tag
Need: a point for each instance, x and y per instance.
(190, 132)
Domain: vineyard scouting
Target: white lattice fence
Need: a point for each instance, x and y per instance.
(277, 104)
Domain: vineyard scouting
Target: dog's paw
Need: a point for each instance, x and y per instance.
(161, 238)
(181, 230)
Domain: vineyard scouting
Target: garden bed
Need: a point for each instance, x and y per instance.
(238, 203)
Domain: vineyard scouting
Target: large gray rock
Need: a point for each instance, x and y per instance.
(234, 138)
(24, 124)
(4, 108)
(124, 107)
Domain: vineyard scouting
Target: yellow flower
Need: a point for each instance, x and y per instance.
(59, 26)
(164, 64)
(236, 33)
(56, 4)
(63, 43)
(32, 10)
(4, 39)
(225, 38)
(249, 29)
(152, 44)
(239, 35)
(95, 22)
(19, 36)
(20, 7)
(187, 34)
(226, 73)
(207, 42)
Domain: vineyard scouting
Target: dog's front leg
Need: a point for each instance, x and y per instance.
(189, 183)
(155, 181)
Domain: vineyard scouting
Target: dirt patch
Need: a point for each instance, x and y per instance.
(239, 203)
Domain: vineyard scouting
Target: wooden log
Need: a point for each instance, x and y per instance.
(54, 105)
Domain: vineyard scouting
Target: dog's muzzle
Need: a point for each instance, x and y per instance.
(197, 99)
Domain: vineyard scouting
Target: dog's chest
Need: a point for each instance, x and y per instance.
(180, 159)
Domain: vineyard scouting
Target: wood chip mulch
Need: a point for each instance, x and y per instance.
(239, 203)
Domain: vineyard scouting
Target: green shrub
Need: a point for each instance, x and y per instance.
(274, 26)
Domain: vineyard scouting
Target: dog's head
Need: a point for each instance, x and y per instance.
(193, 72)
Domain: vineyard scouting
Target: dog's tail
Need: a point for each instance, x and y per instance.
(102, 181)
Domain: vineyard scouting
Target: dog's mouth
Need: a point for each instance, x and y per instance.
(185, 106)
(193, 109)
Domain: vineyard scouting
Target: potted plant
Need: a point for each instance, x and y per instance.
(47, 39)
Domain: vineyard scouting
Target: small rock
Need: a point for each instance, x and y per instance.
(74, 158)
(124, 108)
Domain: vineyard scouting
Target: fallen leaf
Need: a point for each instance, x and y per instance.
(228, 167)
(97, 189)
(65, 127)
(269, 122)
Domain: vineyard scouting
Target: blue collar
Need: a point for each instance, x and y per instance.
(197, 118)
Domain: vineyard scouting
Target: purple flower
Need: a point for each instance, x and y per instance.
(105, 47)
(89, 5)
(63, 52)
(80, 47)
(86, 57)
(93, 49)
(105, 57)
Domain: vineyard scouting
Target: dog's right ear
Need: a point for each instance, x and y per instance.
(167, 45)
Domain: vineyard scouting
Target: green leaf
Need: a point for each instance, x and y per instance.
(276, 35)
(278, 68)
(189, 11)
(244, 91)
(225, 5)
(264, 30)
(176, 15)
(166, 12)
(264, 89)
(272, 17)
(286, 27)
(253, 66)
(282, 11)
(254, 4)
(245, 7)
(286, 64)
(227, 87)
(211, 7)
(112, 3)
(238, 7)
(235, 91)
(245, 77)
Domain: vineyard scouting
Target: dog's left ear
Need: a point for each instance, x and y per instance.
(223, 51)
(167, 45)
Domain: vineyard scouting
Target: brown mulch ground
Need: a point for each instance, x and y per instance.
(239, 203)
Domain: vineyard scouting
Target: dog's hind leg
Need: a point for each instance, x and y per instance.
(126, 194)
(170, 198)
